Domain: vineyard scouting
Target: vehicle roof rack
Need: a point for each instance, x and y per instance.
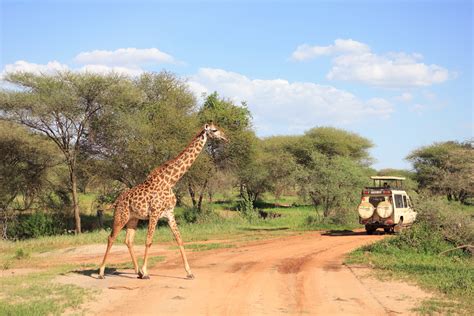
(387, 178)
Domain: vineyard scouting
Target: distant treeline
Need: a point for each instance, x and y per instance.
(70, 132)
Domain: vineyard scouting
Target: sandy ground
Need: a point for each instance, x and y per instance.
(295, 275)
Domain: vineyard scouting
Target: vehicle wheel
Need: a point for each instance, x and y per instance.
(370, 229)
(387, 230)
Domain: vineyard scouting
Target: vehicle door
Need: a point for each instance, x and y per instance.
(410, 212)
(400, 209)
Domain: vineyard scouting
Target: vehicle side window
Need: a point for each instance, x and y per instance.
(398, 201)
(405, 204)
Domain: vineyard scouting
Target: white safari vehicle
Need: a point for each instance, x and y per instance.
(385, 205)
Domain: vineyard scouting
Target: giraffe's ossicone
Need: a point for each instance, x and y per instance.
(154, 199)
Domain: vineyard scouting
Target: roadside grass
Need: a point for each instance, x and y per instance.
(415, 255)
(37, 294)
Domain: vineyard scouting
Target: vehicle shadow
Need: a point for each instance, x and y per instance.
(346, 232)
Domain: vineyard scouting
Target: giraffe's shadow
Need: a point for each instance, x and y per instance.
(94, 273)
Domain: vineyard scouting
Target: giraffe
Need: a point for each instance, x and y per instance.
(154, 199)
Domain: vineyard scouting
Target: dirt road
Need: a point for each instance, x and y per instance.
(296, 275)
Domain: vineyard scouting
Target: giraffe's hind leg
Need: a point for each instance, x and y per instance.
(120, 219)
(177, 236)
(143, 273)
(131, 229)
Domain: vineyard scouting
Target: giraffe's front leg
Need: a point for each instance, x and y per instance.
(143, 273)
(177, 236)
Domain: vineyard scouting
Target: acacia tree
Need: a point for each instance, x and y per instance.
(60, 106)
(332, 182)
(132, 138)
(332, 164)
(235, 121)
(445, 168)
(24, 163)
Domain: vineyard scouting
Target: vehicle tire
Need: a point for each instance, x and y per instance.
(388, 230)
(370, 229)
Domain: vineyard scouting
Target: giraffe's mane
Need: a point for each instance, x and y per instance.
(158, 170)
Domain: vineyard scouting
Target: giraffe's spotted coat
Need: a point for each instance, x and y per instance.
(154, 199)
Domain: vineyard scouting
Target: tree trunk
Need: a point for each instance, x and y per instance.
(75, 202)
(192, 194)
(201, 196)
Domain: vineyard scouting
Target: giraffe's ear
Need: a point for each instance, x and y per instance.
(206, 127)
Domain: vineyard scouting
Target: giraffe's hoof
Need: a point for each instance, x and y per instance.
(101, 277)
(142, 276)
(190, 276)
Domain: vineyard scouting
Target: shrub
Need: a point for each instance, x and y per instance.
(246, 208)
(445, 218)
(35, 225)
(190, 214)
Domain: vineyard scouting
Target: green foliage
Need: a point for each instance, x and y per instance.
(154, 126)
(246, 207)
(446, 168)
(35, 225)
(190, 215)
(21, 254)
(333, 142)
(25, 162)
(332, 182)
(447, 219)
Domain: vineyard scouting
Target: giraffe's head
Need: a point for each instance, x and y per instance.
(214, 133)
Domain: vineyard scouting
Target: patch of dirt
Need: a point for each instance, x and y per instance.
(241, 266)
(301, 274)
(292, 265)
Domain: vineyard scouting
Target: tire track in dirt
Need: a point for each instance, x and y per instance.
(294, 275)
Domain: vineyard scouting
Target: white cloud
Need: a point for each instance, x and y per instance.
(418, 108)
(404, 97)
(354, 61)
(306, 52)
(279, 105)
(125, 56)
(24, 66)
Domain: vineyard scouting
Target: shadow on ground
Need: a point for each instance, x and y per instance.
(346, 232)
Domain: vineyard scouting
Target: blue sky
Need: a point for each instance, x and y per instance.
(396, 72)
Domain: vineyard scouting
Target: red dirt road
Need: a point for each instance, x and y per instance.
(296, 275)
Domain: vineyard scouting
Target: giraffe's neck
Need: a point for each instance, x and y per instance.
(175, 168)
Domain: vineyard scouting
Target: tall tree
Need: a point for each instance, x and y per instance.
(132, 139)
(61, 106)
(24, 163)
(446, 168)
(235, 121)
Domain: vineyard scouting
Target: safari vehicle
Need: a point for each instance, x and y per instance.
(385, 205)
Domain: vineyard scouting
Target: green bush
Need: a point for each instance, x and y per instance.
(446, 218)
(246, 208)
(190, 215)
(35, 225)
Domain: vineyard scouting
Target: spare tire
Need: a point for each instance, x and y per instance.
(366, 210)
(384, 209)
